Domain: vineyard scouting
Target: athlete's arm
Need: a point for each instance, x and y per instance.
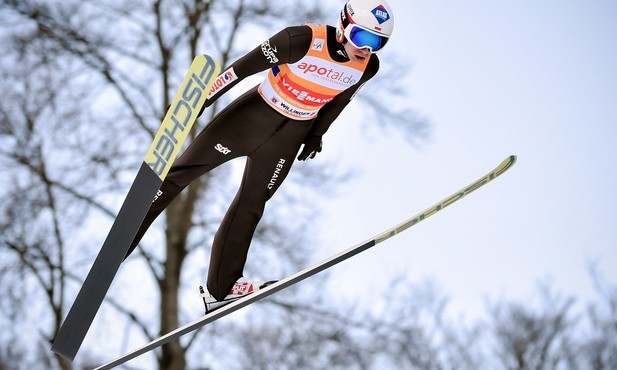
(287, 46)
(329, 112)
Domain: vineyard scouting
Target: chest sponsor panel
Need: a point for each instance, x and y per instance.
(326, 73)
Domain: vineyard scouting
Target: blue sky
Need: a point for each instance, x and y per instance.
(535, 79)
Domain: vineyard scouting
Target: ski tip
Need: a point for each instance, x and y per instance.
(505, 165)
(513, 159)
(510, 161)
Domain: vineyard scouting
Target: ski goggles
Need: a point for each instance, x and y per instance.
(361, 38)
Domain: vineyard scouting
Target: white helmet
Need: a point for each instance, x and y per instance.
(365, 24)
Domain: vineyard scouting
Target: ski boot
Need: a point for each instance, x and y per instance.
(241, 288)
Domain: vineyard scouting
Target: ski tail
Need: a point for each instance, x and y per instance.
(168, 141)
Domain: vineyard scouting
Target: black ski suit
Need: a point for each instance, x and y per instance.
(251, 127)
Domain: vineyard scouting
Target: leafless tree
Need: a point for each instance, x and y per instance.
(598, 344)
(530, 338)
(85, 85)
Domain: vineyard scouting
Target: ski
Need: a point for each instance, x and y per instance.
(168, 141)
(308, 272)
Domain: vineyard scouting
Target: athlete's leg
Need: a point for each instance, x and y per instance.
(265, 170)
(229, 135)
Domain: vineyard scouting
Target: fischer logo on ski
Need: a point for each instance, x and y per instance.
(178, 121)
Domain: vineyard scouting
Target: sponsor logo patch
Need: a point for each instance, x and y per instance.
(381, 14)
(318, 44)
(241, 288)
(350, 10)
(277, 172)
(269, 52)
(223, 80)
(299, 93)
(327, 73)
(220, 148)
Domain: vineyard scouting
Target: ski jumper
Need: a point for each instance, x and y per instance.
(310, 81)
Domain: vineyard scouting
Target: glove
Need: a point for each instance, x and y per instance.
(312, 146)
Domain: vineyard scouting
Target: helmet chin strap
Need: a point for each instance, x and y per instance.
(342, 52)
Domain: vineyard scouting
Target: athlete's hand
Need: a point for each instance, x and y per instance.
(312, 146)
